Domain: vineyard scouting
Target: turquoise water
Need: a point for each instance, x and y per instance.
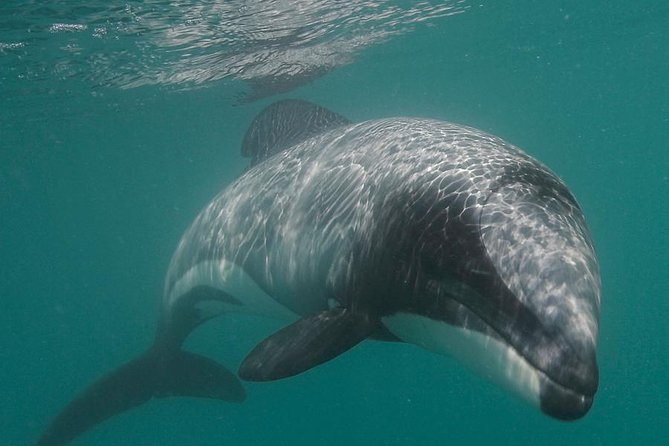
(113, 137)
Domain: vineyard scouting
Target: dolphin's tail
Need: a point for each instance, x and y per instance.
(157, 373)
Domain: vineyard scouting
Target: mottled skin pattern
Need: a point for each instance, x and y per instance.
(415, 215)
(397, 229)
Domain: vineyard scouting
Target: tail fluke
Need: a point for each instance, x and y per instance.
(157, 373)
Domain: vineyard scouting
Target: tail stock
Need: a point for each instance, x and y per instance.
(157, 373)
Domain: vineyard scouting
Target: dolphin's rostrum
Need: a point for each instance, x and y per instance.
(403, 229)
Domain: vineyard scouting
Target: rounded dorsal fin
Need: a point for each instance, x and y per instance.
(284, 124)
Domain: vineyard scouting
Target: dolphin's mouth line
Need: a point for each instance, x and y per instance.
(581, 395)
(495, 334)
(537, 369)
(542, 374)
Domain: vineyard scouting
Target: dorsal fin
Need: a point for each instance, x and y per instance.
(284, 124)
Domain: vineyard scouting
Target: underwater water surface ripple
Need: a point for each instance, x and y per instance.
(273, 45)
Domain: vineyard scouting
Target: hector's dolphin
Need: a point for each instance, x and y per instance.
(399, 229)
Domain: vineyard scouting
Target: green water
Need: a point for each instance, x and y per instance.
(99, 180)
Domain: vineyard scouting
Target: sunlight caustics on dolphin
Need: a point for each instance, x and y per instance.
(402, 229)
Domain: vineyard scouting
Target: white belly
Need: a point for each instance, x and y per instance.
(487, 356)
(233, 280)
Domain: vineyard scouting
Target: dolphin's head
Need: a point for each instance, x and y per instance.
(518, 299)
(540, 249)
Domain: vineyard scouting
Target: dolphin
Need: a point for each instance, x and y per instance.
(400, 229)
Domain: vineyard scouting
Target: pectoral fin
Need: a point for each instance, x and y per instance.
(306, 343)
